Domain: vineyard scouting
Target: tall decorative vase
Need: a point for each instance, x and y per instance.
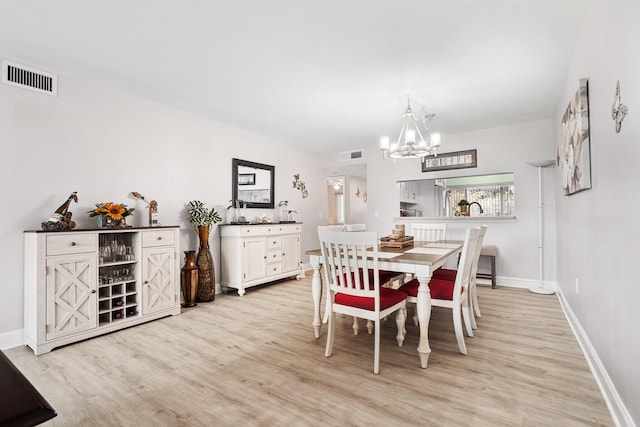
(206, 272)
(189, 279)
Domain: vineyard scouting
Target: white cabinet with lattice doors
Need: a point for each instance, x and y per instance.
(84, 283)
(251, 255)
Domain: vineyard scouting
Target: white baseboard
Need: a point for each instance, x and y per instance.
(619, 413)
(11, 339)
(517, 282)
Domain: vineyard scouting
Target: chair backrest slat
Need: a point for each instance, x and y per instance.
(346, 260)
(428, 232)
(355, 227)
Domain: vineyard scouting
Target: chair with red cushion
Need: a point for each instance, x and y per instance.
(453, 295)
(446, 274)
(388, 279)
(429, 232)
(354, 293)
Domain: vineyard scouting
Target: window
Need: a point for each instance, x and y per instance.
(495, 194)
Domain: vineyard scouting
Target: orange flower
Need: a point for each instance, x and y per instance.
(115, 212)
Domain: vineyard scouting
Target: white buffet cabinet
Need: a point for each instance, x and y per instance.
(75, 288)
(255, 254)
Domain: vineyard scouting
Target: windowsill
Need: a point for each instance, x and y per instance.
(453, 218)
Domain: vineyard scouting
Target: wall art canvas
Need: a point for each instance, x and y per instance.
(574, 154)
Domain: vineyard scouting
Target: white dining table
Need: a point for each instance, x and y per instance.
(420, 259)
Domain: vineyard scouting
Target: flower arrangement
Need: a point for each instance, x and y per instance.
(114, 213)
(200, 215)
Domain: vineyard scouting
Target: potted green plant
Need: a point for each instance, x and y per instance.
(464, 206)
(202, 219)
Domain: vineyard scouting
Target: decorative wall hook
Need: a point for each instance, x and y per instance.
(618, 110)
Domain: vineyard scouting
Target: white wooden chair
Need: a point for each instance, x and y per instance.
(450, 275)
(352, 291)
(355, 227)
(428, 232)
(338, 227)
(453, 295)
(388, 279)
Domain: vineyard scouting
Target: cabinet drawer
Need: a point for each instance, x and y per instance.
(274, 256)
(158, 238)
(71, 244)
(274, 242)
(273, 269)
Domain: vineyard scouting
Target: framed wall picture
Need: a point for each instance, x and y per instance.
(453, 160)
(247, 179)
(574, 153)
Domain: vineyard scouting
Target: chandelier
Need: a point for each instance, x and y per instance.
(411, 143)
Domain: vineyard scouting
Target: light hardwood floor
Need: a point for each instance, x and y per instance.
(252, 360)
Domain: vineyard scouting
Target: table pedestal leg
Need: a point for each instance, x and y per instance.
(316, 292)
(423, 308)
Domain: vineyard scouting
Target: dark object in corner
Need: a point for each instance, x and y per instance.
(22, 405)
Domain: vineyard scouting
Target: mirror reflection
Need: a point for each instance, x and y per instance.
(479, 195)
(253, 184)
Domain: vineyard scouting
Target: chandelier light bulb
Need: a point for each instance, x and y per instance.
(410, 136)
(435, 139)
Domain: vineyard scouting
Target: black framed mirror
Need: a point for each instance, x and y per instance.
(253, 184)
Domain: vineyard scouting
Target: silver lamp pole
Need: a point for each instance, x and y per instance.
(540, 289)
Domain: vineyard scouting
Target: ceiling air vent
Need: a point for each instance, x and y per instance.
(29, 78)
(345, 156)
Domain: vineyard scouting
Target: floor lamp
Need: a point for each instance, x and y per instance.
(540, 289)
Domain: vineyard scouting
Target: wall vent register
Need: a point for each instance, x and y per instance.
(29, 78)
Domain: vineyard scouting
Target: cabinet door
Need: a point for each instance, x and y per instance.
(254, 253)
(290, 252)
(158, 279)
(71, 297)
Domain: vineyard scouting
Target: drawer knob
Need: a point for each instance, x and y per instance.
(73, 243)
(93, 291)
(265, 257)
(159, 237)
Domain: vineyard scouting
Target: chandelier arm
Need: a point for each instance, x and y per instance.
(403, 130)
(420, 135)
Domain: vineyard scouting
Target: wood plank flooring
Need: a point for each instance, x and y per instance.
(253, 361)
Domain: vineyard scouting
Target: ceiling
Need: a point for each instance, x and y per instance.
(329, 75)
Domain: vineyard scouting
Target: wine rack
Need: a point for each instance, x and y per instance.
(117, 271)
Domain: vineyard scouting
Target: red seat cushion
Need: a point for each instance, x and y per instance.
(388, 298)
(440, 289)
(445, 274)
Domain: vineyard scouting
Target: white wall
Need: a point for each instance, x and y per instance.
(505, 149)
(105, 144)
(598, 235)
(357, 208)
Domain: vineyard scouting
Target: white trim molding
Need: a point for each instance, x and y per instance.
(619, 412)
(11, 339)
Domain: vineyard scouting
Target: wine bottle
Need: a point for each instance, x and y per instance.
(58, 215)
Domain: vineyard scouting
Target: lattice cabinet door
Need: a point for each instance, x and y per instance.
(71, 298)
(158, 279)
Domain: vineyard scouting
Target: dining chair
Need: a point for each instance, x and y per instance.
(347, 257)
(338, 227)
(453, 295)
(388, 279)
(355, 227)
(447, 274)
(428, 232)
